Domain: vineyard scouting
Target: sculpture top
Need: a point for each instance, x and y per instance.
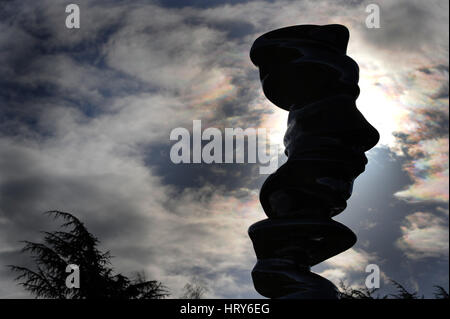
(335, 36)
(301, 64)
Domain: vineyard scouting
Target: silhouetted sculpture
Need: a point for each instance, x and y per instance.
(305, 70)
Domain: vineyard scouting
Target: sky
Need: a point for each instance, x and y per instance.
(86, 115)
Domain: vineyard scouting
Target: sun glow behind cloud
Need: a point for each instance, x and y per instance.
(381, 108)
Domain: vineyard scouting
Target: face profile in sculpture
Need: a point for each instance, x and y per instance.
(304, 69)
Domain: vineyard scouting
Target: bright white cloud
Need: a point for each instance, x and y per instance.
(424, 235)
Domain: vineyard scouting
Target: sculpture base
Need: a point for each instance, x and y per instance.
(287, 248)
(277, 278)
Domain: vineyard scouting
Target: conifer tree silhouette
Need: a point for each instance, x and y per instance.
(74, 244)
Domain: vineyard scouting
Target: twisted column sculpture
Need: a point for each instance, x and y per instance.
(304, 69)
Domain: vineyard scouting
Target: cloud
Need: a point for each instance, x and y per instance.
(429, 171)
(350, 266)
(352, 260)
(424, 235)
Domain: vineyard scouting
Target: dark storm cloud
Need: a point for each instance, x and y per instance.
(23, 200)
(221, 175)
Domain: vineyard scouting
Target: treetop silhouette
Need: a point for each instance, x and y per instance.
(74, 244)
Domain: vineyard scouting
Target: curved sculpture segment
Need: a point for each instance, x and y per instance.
(304, 69)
